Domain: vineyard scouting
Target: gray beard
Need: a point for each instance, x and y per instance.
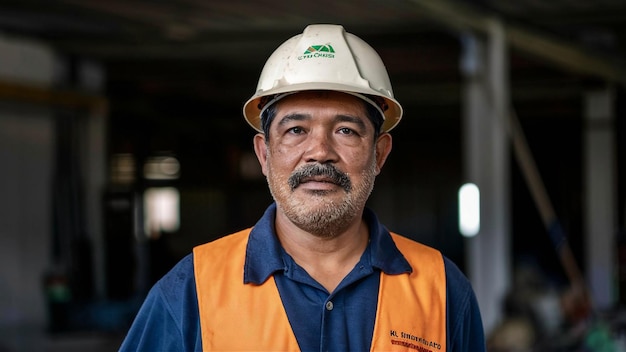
(330, 218)
(326, 222)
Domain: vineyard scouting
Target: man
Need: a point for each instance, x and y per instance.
(318, 272)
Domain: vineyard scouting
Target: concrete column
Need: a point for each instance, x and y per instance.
(600, 189)
(93, 131)
(26, 160)
(486, 163)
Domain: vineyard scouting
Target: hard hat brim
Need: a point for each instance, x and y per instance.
(252, 108)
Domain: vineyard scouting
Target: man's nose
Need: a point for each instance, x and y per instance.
(320, 148)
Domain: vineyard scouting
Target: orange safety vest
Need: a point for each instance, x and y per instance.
(411, 312)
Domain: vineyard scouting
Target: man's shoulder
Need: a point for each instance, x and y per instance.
(177, 283)
(454, 274)
(405, 243)
(223, 245)
(180, 273)
(181, 278)
(226, 240)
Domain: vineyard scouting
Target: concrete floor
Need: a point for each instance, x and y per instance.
(34, 339)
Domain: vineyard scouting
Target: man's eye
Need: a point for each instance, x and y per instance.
(296, 130)
(346, 130)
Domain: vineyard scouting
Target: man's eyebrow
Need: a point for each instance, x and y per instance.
(351, 119)
(338, 118)
(293, 117)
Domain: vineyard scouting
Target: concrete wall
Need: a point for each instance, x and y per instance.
(27, 141)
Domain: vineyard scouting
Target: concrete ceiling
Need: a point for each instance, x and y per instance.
(575, 34)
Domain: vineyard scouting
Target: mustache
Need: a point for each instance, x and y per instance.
(326, 170)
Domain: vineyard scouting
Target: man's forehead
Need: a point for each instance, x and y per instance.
(310, 99)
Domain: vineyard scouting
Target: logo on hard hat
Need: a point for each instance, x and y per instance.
(314, 51)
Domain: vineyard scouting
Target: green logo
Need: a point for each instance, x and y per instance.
(315, 51)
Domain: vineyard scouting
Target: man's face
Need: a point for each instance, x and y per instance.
(321, 160)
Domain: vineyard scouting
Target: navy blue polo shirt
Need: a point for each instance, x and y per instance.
(322, 321)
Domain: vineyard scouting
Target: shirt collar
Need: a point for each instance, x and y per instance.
(264, 252)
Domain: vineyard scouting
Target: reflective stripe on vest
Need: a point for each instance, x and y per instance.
(411, 312)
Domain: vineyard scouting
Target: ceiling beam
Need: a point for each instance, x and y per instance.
(461, 17)
(51, 97)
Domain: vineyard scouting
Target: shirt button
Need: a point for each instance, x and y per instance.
(329, 305)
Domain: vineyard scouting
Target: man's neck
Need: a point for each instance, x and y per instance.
(327, 260)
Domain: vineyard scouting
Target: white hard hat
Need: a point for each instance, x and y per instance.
(325, 57)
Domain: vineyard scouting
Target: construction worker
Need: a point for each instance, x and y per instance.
(318, 271)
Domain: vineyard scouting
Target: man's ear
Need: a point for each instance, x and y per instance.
(383, 148)
(260, 149)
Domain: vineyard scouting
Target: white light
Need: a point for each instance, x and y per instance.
(469, 210)
(161, 210)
